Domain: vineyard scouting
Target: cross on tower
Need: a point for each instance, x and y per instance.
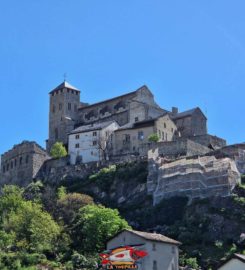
(65, 76)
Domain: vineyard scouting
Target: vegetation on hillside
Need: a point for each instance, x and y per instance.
(64, 227)
(67, 235)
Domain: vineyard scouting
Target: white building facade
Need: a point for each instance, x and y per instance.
(91, 143)
(163, 252)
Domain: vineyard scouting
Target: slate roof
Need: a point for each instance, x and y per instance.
(65, 84)
(152, 237)
(115, 98)
(91, 127)
(240, 257)
(186, 113)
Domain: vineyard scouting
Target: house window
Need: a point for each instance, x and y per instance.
(94, 142)
(60, 106)
(154, 265)
(127, 138)
(77, 136)
(141, 135)
(69, 106)
(154, 246)
(77, 145)
(136, 119)
(94, 133)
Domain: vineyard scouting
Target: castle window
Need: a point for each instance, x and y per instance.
(172, 130)
(166, 136)
(7, 167)
(27, 159)
(94, 133)
(56, 133)
(69, 106)
(136, 119)
(3, 168)
(20, 161)
(140, 135)
(162, 135)
(68, 90)
(94, 142)
(11, 165)
(60, 106)
(53, 109)
(75, 107)
(15, 162)
(164, 125)
(77, 136)
(154, 246)
(77, 145)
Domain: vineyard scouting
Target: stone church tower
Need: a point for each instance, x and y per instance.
(63, 105)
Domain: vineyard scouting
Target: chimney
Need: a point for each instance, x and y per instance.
(174, 110)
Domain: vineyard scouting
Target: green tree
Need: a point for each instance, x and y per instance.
(153, 137)
(24, 224)
(69, 204)
(58, 150)
(95, 224)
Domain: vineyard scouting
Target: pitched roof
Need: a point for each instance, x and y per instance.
(115, 98)
(186, 113)
(240, 257)
(152, 237)
(65, 84)
(91, 127)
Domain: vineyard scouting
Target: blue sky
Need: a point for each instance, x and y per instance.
(189, 53)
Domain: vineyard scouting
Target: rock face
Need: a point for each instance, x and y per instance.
(193, 177)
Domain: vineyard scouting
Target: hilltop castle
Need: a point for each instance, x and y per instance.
(111, 130)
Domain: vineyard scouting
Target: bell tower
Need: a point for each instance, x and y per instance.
(64, 102)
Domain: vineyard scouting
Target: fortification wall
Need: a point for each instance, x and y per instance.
(192, 177)
(178, 148)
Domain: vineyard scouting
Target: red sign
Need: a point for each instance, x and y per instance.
(122, 258)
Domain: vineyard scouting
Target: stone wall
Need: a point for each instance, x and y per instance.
(21, 164)
(177, 148)
(54, 171)
(192, 177)
(209, 140)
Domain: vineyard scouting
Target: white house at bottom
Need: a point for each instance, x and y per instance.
(91, 142)
(163, 252)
